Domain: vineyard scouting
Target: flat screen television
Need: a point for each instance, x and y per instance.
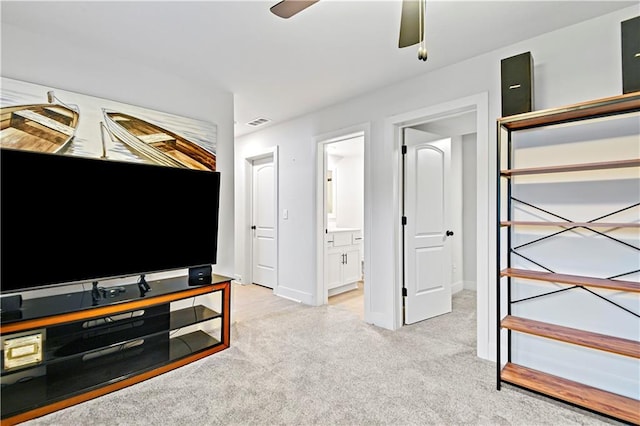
(67, 219)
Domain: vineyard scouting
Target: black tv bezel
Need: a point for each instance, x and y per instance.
(194, 201)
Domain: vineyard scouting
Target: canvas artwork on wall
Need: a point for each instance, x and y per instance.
(46, 119)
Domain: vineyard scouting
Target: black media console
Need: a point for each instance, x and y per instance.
(61, 350)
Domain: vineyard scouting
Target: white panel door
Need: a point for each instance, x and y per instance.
(264, 255)
(427, 264)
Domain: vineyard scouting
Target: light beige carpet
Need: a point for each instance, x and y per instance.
(291, 364)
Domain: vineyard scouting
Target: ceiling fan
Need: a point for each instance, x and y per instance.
(411, 20)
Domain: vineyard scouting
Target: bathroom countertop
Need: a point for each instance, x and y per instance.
(342, 229)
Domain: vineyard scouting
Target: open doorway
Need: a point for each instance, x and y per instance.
(439, 211)
(484, 256)
(342, 215)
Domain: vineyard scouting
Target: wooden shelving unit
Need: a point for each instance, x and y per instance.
(579, 394)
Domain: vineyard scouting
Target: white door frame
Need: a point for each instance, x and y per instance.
(485, 247)
(248, 203)
(321, 294)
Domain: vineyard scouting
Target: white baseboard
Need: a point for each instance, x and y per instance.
(456, 287)
(342, 289)
(470, 285)
(291, 294)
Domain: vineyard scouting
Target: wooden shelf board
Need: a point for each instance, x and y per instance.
(602, 165)
(572, 224)
(611, 344)
(619, 104)
(611, 404)
(572, 279)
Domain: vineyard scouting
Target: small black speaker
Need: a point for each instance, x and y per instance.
(200, 275)
(516, 76)
(10, 303)
(630, 31)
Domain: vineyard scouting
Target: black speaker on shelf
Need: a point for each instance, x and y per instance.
(630, 31)
(200, 275)
(516, 77)
(10, 303)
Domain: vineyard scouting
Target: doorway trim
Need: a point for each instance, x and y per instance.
(485, 254)
(248, 219)
(320, 295)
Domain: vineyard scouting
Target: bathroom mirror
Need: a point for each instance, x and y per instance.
(331, 193)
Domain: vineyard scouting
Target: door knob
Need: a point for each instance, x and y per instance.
(253, 227)
(449, 233)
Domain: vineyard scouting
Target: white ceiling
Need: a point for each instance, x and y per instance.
(283, 68)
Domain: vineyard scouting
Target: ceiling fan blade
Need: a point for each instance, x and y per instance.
(288, 8)
(411, 29)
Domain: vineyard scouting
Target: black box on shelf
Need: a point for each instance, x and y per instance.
(200, 275)
(630, 32)
(516, 81)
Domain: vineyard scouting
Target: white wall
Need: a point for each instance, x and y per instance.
(571, 65)
(81, 68)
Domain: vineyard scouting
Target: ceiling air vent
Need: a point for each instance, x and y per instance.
(258, 122)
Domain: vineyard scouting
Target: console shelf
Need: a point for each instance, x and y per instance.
(192, 315)
(92, 347)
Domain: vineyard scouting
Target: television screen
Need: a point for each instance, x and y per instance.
(68, 219)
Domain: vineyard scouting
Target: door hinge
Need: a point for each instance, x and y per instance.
(404, 149)
(404, 220)
(404, 291)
